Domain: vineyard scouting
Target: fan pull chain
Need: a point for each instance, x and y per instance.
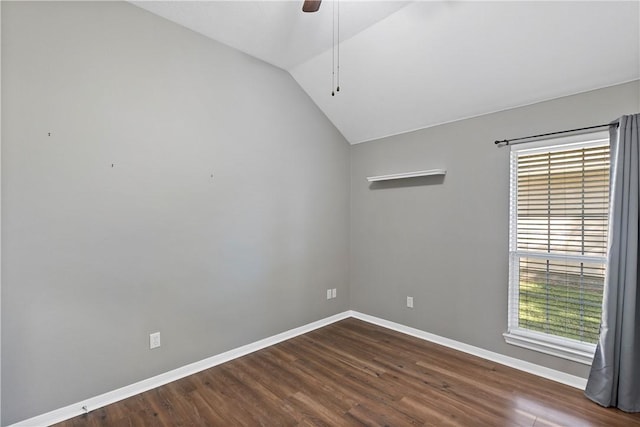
(338, 69)
(333, 47)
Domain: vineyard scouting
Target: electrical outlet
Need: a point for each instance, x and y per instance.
(154, 340)
(328, 293)
(334, 292)
(410, 302)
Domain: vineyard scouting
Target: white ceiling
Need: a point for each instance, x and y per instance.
(410, 65)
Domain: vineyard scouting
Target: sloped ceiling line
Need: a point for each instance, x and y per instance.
(411, 65)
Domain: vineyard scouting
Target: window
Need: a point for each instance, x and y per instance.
(558, 244)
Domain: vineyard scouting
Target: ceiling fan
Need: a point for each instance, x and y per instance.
(311, 5)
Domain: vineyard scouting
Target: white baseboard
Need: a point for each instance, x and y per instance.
(532, 368)
(108, 398)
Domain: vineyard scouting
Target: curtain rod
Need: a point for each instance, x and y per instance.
(506, 142)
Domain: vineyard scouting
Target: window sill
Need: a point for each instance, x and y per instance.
(566, 349)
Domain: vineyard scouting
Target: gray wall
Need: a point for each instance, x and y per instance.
(445, 242)
(97, 257)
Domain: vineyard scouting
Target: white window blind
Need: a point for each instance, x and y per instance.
(559, 224)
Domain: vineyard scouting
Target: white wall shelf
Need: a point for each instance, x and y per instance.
(406, 175)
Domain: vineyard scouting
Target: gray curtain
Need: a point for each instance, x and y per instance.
(614, 379)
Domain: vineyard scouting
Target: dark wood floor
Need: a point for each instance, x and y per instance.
(354, 373)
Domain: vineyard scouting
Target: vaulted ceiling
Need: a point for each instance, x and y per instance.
(410, 65)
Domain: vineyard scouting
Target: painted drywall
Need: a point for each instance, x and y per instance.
(153, 180)
(444, 241)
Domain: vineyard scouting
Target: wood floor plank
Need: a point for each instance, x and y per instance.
(353, 373)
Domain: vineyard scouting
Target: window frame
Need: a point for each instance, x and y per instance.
(554, 345)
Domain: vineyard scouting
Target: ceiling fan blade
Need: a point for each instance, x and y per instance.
(311, 5)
